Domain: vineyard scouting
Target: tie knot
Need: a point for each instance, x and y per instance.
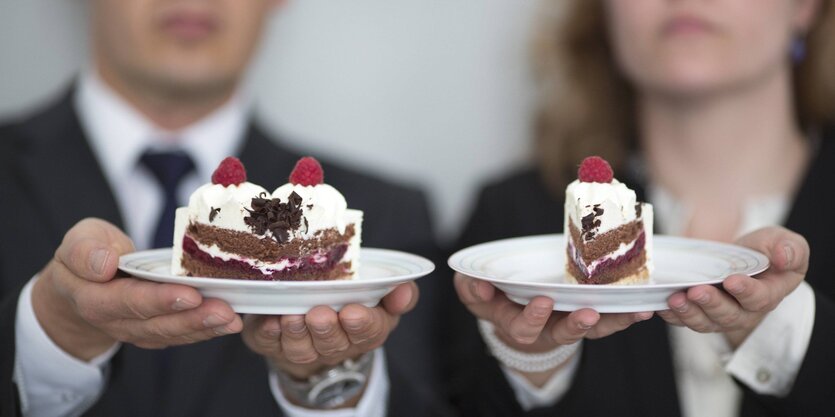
(168, 168)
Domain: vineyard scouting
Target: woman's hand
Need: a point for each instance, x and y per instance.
(536, 327)
(739, 309)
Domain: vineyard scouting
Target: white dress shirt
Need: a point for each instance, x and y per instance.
(704, 363)
(50, 381)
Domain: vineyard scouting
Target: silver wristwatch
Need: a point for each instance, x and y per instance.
(330, 388)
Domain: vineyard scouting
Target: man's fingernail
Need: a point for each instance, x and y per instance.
(296, 326)
(214, 321)
(789, 254)
(585, 326)
(320, 330)
(680, 307)
(222, 330)
(272, 328)
(273, 331)
(703, 299)
(98, 259)
(181, 304)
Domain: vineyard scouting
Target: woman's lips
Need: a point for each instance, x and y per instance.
(687, 25)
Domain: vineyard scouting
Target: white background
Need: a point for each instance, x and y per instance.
(436, 93)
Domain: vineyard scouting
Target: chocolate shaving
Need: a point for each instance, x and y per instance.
(213, 213)
(638, 208)
(590, 222)
(275, 216)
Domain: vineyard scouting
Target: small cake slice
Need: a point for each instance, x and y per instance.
(235, 229)
(608, 233)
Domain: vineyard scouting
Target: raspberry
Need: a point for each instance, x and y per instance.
(307, 172)
(230, 172)
(595, 169)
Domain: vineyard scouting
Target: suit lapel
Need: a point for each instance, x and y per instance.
(60, 170)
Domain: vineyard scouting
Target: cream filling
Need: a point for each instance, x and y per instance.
(591, 268)
(266, 268)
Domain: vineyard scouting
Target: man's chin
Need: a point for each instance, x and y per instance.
(191, 85)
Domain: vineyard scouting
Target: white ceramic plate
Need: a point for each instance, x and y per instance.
(527, 267)
(380, 271)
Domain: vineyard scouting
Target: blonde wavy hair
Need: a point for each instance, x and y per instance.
(586, 107)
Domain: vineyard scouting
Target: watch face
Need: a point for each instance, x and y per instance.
(334, 392)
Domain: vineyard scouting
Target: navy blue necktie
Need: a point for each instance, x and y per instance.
(169, 168)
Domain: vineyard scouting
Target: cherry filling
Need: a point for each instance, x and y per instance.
(312, 264)
(611, 263)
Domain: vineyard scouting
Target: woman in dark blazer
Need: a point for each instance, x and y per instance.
(717, 114)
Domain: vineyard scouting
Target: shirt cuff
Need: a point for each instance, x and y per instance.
(373, 403)
(768, 364)
(529, 396)
(51, 382)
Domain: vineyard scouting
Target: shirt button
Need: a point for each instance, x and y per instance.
(763, 375)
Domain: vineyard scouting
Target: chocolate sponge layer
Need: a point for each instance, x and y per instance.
(266, 249)
(606, 243)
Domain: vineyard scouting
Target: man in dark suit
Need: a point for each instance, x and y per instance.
(162, 89)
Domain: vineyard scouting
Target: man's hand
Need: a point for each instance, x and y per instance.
(85, 308)
(739, 310)
(301, 345)
(536, 327)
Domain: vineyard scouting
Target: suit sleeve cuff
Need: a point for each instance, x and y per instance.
(373, 403)
(529, 396)
(52, 382)
(768, 364)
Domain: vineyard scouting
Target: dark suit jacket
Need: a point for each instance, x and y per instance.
(631, 373)
(50, 179)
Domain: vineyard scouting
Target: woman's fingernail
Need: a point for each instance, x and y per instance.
(703, 299)
(98, 259)
(735, 288)
(181, 304)
(585, 326)
(353, 325)
(222, 330)
(474, 289)
(541, 311)
(482, 292)
(680, 307)
(789, 254)
(214, 321)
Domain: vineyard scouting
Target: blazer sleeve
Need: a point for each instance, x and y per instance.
(813, 392)
(9, 397)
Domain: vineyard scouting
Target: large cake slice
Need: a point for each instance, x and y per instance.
(232, 228)
(609, 233)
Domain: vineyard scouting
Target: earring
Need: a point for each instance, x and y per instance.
(798, 49)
